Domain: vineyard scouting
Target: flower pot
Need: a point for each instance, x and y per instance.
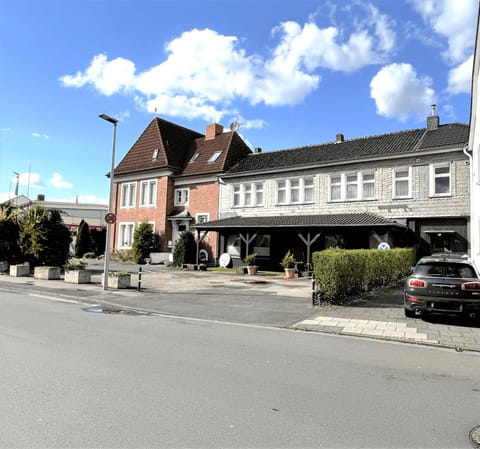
(252, 269)
(77, 276)
(46, 273)
(289, 273)
(118, 280)
(20, 270)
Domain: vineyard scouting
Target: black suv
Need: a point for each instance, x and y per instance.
(443, 283)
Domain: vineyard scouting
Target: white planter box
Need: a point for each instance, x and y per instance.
(19, 270)
(116, 280)
(78, 276)
(46, 273)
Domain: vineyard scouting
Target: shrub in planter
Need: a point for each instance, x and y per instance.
(76, 273)
(251, 263)
(288, 264)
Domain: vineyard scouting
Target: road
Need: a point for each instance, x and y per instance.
(70, 378)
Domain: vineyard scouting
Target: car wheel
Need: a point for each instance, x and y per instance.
(409, 313)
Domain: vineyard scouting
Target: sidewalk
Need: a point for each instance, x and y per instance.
(263, 300)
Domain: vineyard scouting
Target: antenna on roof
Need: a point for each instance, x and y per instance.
(234, 126)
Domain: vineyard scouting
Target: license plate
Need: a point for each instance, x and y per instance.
(446, 306)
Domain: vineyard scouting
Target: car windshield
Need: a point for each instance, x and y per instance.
(445, 269)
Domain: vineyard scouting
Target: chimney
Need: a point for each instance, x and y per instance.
(213, 130)
(433, 122)
(258, 150)
(340, 138)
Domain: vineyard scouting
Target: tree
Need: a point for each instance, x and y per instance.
(58, 240)
(185, 249)
(43, 238)
(83, 243)
(98, 238)
(9, 231)
(143, 242)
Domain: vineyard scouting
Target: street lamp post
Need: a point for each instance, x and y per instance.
(110, 201)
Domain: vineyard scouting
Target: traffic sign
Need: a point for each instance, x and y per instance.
(110, 218)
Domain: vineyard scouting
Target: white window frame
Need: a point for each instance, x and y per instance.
(364, 182)
(335, 184)
(202, 214)
(395, 195)
(179, 195)
(125, 241)
(434, 177)
(148, 198)
(286, 186)
(252, 190)
(128, 195)
(343, 183)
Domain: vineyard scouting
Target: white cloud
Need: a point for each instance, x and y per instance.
(460, 78)
(84, 199)
(454, 21)
(108, 77)
(40, 136)
(205, 71)
(58, 182)
(399, 92)
(33, 180)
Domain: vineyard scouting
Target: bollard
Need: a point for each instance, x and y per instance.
(314, 296)
(139, 287)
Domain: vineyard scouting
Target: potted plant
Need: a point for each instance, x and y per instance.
(250, 262)
(288, 263)
(76, 273)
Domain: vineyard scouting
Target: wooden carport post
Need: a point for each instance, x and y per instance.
(200, 236)
(308, 242)
(247, 240)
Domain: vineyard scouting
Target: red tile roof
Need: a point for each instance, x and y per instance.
(174, 147)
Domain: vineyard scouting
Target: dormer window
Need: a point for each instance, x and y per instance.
(155, 155)
(214, 156)
(194, 158)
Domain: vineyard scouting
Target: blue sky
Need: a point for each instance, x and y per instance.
(291, 72)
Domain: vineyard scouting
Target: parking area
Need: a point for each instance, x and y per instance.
(380, 315)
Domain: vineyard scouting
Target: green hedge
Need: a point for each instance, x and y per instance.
(342, 273)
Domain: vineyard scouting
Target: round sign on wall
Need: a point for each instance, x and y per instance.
(110, 218)
(383, 245)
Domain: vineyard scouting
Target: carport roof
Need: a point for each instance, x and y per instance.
(328, 221)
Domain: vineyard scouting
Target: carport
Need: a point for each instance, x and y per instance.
(271, 236)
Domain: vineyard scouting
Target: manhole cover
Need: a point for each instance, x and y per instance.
(475, 437)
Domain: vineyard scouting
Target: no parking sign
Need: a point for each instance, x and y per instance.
(110, 218)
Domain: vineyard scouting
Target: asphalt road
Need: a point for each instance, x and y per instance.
(71, 378)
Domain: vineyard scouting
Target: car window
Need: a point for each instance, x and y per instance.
(453, 270)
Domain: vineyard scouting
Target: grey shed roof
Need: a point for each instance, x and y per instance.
(298, 221)
(381, 146)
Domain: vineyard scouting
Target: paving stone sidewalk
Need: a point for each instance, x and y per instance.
(380, 315)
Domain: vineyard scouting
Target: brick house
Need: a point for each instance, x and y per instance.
(170, 178)
(404, 188)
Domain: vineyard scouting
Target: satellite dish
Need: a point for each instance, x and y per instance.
(234, 126)
(224, 260)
